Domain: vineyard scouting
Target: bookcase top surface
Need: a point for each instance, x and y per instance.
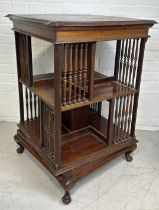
(64, 20)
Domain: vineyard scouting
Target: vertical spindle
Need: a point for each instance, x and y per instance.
(27, 102)
(65, 73)
(110, 122)
(70, 75)
(126, 116)
(31, 108)
(52, 136)
(128, 62)
(75, 72)
(44, 124)
(130, 113)
(85, 70)
(22, 48)
(35, 109)
(135, 63)
(80, 72)
(119, 118)
(121, 62)
(24, 59)
(49, 128)
(116, 120)
(38, 112)
(131, 64)
(125, 60)
(123, 117)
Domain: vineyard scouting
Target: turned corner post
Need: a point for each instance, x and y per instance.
(41, 114)
(29, 65)
(110, 129)
(58, 68)
(117, 59)
(91, 67)
(24, 66)
(137, 85)
(20, 87)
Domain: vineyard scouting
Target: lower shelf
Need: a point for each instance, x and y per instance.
(78, 147)
(75, 145)
(80, 144)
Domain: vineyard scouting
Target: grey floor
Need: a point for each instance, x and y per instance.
(119, 185)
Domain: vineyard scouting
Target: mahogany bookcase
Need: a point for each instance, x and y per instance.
(60, 113)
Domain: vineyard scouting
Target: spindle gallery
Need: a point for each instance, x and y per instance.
(61, 121)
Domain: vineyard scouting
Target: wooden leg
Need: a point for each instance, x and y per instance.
(66, 199)
(128, 157)
(20, 149)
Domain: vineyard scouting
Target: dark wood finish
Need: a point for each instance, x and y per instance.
(99, 122)
(72, 119)
(77, 74)
(26, 98)
(137, 85)
(33, 129)
(116, 68)
(25, 58)
(80, 28)
(58, 66)
(55, 20)
(103, 90)
(61, 120)
(110, 121)
(91, 67)
(20, 87)
(73, 158)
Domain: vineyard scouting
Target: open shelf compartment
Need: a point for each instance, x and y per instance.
(105, 90)
(80, 144)
(75, 146)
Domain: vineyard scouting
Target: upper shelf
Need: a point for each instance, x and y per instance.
(105, 90)
(62, 28)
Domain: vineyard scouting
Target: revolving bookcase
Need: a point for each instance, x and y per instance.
(61, 120)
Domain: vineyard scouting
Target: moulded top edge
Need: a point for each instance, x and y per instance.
(67, 20)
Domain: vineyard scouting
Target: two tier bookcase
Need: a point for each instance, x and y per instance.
(61, 122)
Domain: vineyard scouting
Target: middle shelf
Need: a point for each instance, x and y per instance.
(103, 90)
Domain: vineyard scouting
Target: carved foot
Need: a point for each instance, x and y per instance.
(20, 149)
(128, 157)
(66, 199)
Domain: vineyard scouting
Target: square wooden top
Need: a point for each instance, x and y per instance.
(62, 28)
(67, 20)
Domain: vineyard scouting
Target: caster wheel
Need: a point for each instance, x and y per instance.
(20, 149)
(66, 199)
